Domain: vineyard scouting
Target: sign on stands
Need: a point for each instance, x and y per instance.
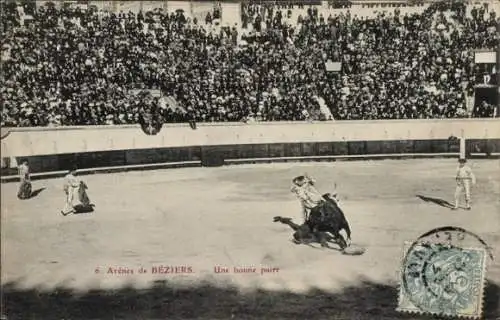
(333, 66)
(485, 57)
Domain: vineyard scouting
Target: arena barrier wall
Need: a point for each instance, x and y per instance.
(95, 148)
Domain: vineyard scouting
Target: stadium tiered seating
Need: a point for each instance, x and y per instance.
(79, 67)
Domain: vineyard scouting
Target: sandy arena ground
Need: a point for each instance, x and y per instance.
(57, 267)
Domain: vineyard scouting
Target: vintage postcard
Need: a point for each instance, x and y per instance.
(250, 159)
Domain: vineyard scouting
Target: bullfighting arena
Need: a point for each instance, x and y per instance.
(185, 223)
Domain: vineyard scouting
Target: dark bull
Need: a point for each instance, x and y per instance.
(326, 217)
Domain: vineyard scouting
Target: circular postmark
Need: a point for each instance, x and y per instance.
(443, 271)
(455, 236)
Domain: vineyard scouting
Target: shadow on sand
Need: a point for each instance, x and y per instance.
(22, 194)
(163, 300)
(36, 192)
(81, 209)
(439, 202)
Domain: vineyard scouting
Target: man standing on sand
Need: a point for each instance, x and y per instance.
(70, 187)
(464, 179)
(24, 191)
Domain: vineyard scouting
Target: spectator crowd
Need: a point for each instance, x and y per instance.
(69, 66)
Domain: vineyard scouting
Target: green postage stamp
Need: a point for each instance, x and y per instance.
(442, 280)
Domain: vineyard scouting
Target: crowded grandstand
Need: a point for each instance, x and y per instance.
(67, 65)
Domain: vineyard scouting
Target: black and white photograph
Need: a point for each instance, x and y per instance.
(252, 159)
